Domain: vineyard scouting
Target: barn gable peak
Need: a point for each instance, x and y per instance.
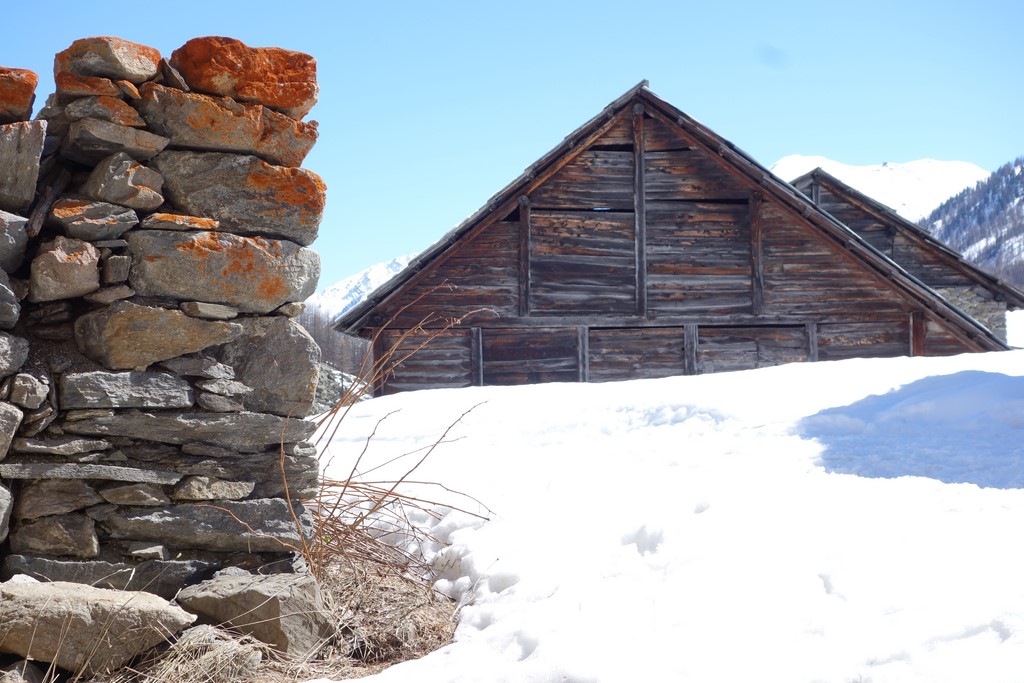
(645, 244)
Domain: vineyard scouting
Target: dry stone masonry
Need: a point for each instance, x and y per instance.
(154, 231)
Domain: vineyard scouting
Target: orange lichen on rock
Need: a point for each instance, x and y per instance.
(17, 94)
(84, 86)
(108, 57)
(175, 221)
(281, 79)
(287, 191)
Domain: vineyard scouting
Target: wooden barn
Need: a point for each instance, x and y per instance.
(645, 245)
(981, 295)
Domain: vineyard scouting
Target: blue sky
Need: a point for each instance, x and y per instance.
(427, 109)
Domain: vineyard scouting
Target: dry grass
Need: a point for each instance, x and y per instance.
(384, 619)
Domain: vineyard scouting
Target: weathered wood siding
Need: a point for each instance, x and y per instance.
(913, 253)
(808, 276)
(480, 275)
(698, 258)
(582, 262)
(421, 362)
(596, 179)
(636, 353)
(939, 342)
(643, 255)
(864, 339)
(721, 349)
(876, 232)
(530, 355)
(928, 265)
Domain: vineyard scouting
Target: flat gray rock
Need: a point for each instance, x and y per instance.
(10, 420)
(101, 389)
(82, 628)
(88, 141)
(65, 268)
(13, 241)
(127, 336)
(163, 578)
(72, 535)
(243, 432)
(230, 126)
(277, 358)
(6, 506)
(263, 525)
(13, 353)
(21, 146)
(286, 611)
(246, 194)
(119, 179)
(45, 497)
(250, 274)
(109, 57)
(88, 219)
(70, 470)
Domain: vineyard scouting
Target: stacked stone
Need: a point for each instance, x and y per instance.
(154, 225)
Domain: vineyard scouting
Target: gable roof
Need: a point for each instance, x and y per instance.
(1013, 296)
(721, 151)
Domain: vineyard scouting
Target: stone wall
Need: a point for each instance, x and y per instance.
(978, 303)
(154, 233)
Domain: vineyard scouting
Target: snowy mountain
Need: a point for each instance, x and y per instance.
(986, 223)
(913, 189)
(348, 292)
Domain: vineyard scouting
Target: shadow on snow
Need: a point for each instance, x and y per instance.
(967, 427)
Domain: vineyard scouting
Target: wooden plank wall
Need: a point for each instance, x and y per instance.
(481, 273)
(913, 254)
(928, 265)
(582, 262)
(647, 263)
(530, 355)
(807, 276)
(722, 349)
(442, 362)
(636, 352)
(876, 232)
(698, 258)
(864, 339)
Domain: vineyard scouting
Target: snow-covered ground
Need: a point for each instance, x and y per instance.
(845, 521)
(913, 189)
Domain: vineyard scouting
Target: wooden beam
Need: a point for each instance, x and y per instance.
(583, 352)
(815, 191)
(377, 351)
(690, 349)
(640, 209)
(524, 256)
(756, 255)
(812, 341)
(476, 356)
(918, 331)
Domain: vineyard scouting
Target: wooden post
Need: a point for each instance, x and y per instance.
(376, 353)
(524, 256)
(815, 191)
(476, 356)
(583, 352)
(812, 341)
(690, 349)
(639, 209)
(756, 255)
(918, 330)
